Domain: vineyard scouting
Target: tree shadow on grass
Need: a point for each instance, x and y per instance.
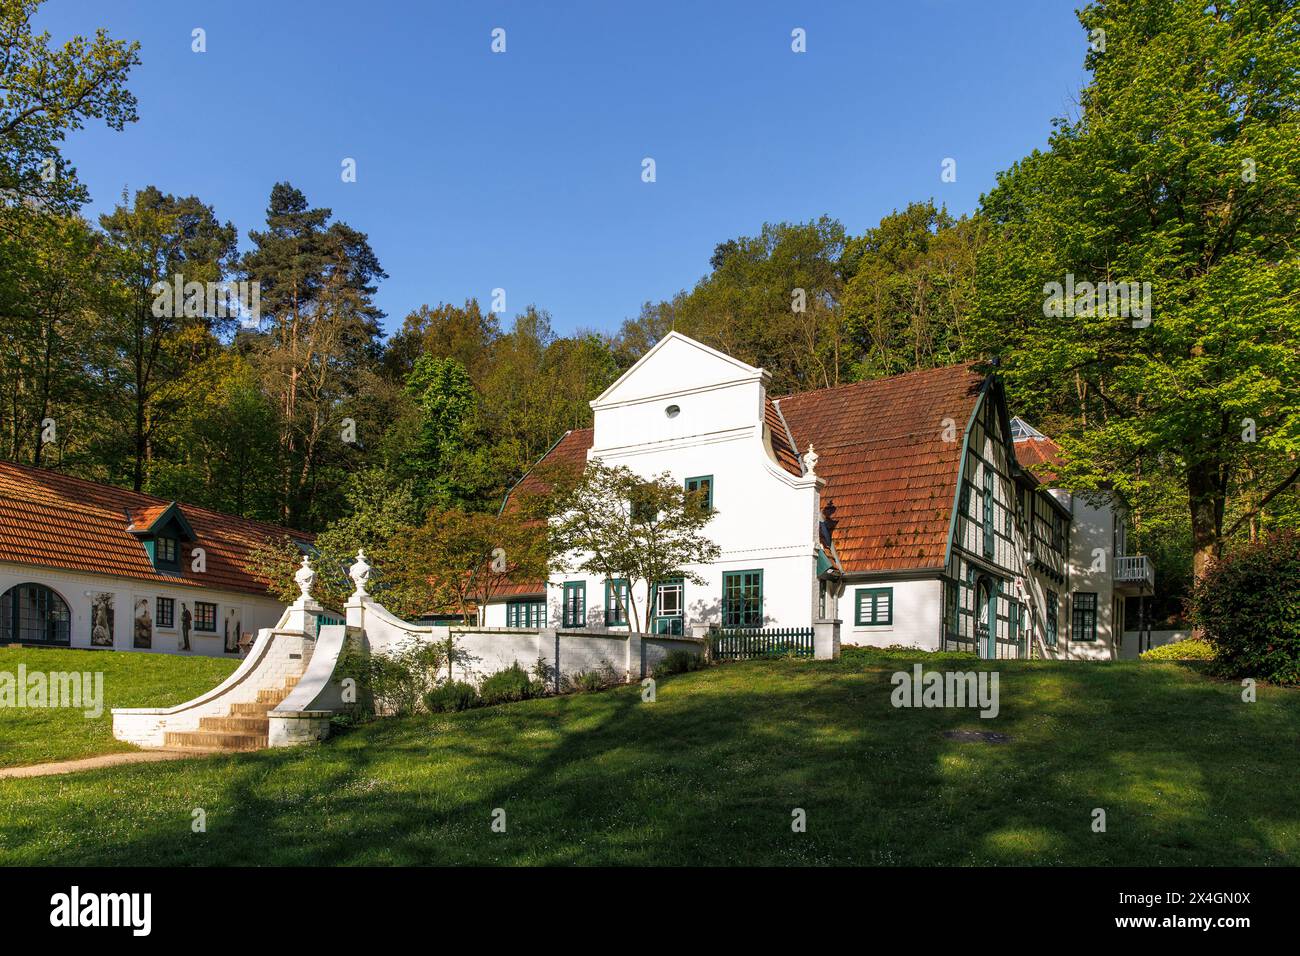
(712, 771)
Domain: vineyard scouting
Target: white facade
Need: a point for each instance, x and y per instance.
(235, 613)
(1015, 548)
(690, 411)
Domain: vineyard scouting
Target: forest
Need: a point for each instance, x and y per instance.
(1181, 169)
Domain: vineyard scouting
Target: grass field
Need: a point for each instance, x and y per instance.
(710, 774)
(37, 735)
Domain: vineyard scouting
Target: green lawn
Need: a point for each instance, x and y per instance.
(131, 679)
(710, 772)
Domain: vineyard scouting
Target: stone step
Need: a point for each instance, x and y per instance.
(251, 709)
(237, 724)
(272, 696)
(213, 740)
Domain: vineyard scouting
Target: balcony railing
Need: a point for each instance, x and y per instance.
(1135, 569)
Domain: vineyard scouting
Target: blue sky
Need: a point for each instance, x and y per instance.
(522, 170)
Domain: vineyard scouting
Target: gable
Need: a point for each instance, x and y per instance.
(677, 364)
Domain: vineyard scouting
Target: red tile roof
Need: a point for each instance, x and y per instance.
(786, 456)
(1039, 456)
(890, 474)
(569, 452)
(56, 521)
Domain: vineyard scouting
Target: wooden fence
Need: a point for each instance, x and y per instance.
(742, 644)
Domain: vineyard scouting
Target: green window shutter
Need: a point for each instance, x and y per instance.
(873, 607)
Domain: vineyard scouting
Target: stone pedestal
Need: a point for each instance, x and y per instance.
(826, 640)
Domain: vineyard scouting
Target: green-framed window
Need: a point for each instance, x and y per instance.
(873, 607)
(529, 612)
(166, 550)
(1053, 613)
(617, 599)
(205, 617)
(742, 598)
(668, 612)
(701, 486)
(1084, 616)
(166, 613)
(988, 511)
(575, 604)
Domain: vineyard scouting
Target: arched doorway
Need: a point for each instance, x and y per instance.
(986, 617)
(34, 614)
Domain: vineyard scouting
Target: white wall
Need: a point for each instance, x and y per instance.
(765, 518)
(250, 611)
(1091, 528)
(918, 611)
(1130, 650)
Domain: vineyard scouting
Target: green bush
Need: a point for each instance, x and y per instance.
(394, 683)
(597, 679)
(679, 662)
(451, 696)
(1248, 604)
(513, 683)
(1188, 650)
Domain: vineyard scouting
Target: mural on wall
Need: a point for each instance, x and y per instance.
(186, 620)
(143, 624)
(101, 619)
(231, 631)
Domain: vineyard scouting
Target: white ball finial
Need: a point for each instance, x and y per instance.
(360, 574)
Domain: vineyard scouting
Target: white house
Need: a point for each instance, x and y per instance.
(907, 508)
(95, 566)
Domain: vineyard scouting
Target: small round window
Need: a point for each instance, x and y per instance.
(672, 411)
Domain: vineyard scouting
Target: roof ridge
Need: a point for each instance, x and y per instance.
(87, 508)
(969, 365)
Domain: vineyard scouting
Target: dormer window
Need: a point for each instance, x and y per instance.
(161, 529)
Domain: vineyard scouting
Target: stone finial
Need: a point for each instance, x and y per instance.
(305, 578)
(810, 459)
(360, 574)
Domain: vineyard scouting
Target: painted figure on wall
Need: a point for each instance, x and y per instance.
(101, 620)
(231, 635)
(143, 624)
(186, 620)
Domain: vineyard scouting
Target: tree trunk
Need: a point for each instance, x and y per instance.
(1202, 497)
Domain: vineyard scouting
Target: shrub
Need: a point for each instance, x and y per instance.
(679, 662)
(1188, 650)
(513, 683)
(451, 696)
(1248, 604)
(393, 683)
(596, 679)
